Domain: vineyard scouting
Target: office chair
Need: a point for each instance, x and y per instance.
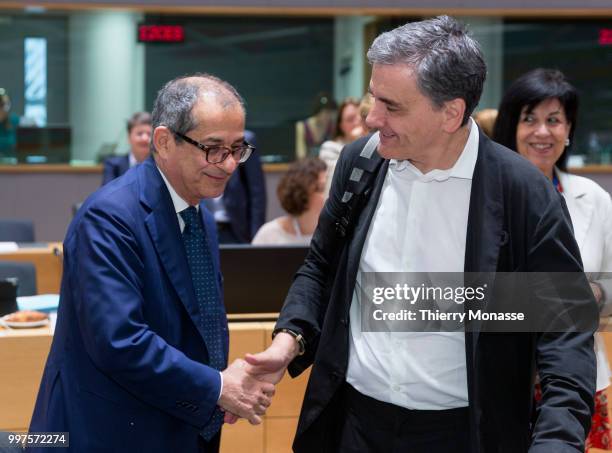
(24, 272)
(16, 230)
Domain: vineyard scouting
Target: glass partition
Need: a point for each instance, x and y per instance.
(277, 64)
(578, 48)
(69, 80)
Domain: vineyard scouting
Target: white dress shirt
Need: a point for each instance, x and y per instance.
(420, 225)
(132, 160)
(181, 205)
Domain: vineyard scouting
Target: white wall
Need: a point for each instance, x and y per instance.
(106, 79)
(488, 31)
(349, 56)
(349, 53)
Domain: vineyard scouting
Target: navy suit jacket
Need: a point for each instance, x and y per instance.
(127, 368)
(114, 167)
(245, 196)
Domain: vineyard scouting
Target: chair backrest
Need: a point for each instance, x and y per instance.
(25, 273)
(16, 230)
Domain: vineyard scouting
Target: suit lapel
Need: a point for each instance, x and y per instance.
(485, 235)
(485, 231)
(163, 228)
(579, 205)
(171, 253)
(125, 164)
(363, 223)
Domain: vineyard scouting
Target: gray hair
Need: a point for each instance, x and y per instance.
(448, 63)
(174, 104)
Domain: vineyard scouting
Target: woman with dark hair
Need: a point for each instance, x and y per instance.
(348, 129)
(548, 91)
(301, 194)
(537, 118)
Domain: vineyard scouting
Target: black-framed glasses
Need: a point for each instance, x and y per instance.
(215, 154)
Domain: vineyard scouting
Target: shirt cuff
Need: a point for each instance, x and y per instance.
(221, 386)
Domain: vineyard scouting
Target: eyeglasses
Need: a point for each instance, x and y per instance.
(216, 154)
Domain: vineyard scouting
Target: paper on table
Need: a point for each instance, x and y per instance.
(52, 321)
(43, 302)
(6, 247)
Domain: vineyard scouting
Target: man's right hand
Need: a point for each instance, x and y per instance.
(270, 365)
(243, 394)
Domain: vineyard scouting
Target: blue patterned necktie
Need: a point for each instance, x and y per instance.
(212, 315)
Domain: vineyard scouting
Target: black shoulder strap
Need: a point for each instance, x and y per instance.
(359, 185)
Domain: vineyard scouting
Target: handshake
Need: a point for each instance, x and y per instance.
(248, 384)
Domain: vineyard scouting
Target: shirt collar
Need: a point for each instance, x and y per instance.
(132, 159)
(462, 169)
(177, 201)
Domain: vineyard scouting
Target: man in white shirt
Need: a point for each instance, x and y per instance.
(446, 199)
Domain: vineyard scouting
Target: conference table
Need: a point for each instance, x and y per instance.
(47, 259)
(23, 353)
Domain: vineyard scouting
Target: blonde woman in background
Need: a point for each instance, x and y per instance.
(486, 120)
(316, 129)
(348, 129)
(365, 105)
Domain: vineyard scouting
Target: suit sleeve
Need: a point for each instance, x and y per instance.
(306, 303)
(565, 360)
(108, 173)
(109, 308)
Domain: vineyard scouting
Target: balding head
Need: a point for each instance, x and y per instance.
(175, 102)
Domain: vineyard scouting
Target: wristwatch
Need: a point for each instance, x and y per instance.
(298, 337)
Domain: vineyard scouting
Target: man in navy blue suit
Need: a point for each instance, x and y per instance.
(138, 360)
(139, 136)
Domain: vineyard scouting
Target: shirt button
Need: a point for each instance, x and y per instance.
(396, 388)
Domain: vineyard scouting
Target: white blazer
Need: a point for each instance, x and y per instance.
(330, 153)
(590, 209)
